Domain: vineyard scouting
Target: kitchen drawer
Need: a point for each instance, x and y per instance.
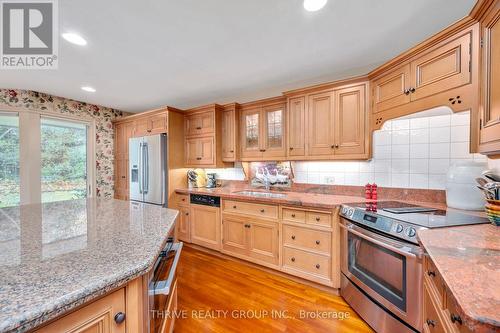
(432, 320)
(317, 218)
(435, 279)
(182, 199)
(246, 208)
(308, 239)
(294, 215)
(311, 264)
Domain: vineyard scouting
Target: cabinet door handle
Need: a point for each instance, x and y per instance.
(262, 210)
(198, 158)
(317, 242)
(407, 92)
(293, 259)
(231, 151)
(119, 317)
(318, 266)
(431, 273)
(317, 219)
(430, 322)
(262, 150)
(123, 177)
(293, 215)
(234, 207)
(293, 236)
(412, 90)
(187, 214)
(455, 318)
(291, 148)
(198, 128)
(332, 146)
(337, 146)
(183, 199)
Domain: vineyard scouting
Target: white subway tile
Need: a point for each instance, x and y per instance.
(301, 177)
(366, 178)
(439, 165)
(419, 165)
(416, 123)
(382, 152)
(300, 166)
(400, 166)
(437, 182)
(400, 137)
(439, 150)
(400, 180)
(419, 135)
(367, 166)
(382, 138)
(383, 166)
(383, 179)
(387, 126)
(479, 157)
(460, 119)
(460, 134)
(400, 151)
(352, 178)
(440, 121)
(313, 178)
(419, 150)
(439, 134)
(460, 150)
(400, 124)
(418, 180)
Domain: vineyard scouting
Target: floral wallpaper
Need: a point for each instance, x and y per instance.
(36, 101)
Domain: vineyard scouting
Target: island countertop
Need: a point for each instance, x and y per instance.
(468, 260)
(57, 256)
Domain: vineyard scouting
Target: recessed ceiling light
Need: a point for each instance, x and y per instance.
(88, 89)
(74, 38)
(314, 5)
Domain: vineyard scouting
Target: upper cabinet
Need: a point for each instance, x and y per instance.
(204, 136)
(230, 126)
(329, 123)
(150, 125)
(490, 84)
(439, 72)
(262, 135)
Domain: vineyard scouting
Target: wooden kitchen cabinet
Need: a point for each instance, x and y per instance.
(184, 226)
(296, 126)
(235, 235)
(391, 89)
(262, 135)
(123, 132)
(200, 151)
(206, 226)
(230, 120)
(489, 141)
(202, 123)
(350, 123)
(321, 124)
(151, 124)
(98, 316)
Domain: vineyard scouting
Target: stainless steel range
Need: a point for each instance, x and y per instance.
(381, 261)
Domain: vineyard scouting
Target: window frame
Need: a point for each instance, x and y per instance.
(30, 152)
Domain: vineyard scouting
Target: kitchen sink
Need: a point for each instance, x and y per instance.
(262, 194)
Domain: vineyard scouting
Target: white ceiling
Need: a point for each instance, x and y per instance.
(148, 53)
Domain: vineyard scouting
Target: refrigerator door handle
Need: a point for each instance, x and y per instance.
(146, 168)
(140, 168)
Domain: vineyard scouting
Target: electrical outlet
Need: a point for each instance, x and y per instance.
(330, 180)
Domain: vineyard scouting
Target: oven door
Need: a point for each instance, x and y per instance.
(387, 270)
(163, 289)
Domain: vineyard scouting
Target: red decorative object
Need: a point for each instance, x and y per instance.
(368, 191)
(374, 192)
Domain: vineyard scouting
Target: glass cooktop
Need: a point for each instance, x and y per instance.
(427, 217)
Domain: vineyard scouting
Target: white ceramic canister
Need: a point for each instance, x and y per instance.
(461, 189)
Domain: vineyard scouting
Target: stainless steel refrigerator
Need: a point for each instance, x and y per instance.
(148, 169)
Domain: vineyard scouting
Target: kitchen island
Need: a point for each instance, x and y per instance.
(58, 257)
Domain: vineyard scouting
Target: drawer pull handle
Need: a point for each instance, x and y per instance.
(198, 128)
(293, 215)
(119, 317)
(431, 273)
(123, 177)
(183, 199)
(198, 158)
(262, 210)
(317, 242)
(187, 214)
(455, 318)
(293, 259)
(293, 236)
(318, 266)
(247, 225)
(234, 207)
(430, 322)
(317, 219)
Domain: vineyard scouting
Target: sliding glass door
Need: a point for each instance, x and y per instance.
(44, 158)
(9, 160)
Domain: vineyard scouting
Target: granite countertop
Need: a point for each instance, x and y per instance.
(468, 259)
(57, 256)
(312, 200)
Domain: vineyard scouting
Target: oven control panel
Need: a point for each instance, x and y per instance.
(396, 228)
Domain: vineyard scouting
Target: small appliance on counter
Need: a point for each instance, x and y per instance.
(461, 190)
(211, 180)
(196, 178)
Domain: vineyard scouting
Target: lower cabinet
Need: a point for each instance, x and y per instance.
(256, 240)
(184, 227)
(205, 226)
(97, 317)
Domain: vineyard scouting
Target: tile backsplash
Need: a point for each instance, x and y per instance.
(410, 152)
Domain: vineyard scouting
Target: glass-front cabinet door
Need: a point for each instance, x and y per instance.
(274, 127)
(251, 145)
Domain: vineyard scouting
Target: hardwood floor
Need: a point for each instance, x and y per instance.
(215, 293)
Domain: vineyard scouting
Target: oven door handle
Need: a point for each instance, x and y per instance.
(382, 244)
(165, 286)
